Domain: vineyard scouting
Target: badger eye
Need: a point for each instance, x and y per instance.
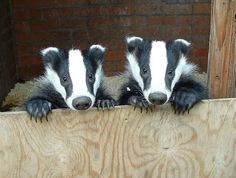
(170, 73)
(144, 70)
(91, 77)
(64, 78)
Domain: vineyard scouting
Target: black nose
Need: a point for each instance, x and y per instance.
(157, 98)
(82, 102)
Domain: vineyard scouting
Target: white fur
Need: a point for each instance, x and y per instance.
(98, 78)
(129, 39)
(158, 64)
(183, 41)
(77, 71)
(135, 69)
(99, 47)
(51, 76)
(46, 50)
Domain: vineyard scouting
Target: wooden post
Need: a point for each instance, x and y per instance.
(222, 52)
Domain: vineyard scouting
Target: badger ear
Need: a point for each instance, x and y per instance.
(49, 55)
(96, 52)
(183, 45)
(133, 43)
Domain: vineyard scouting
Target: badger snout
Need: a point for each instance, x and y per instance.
(157, 98)
(82, 103)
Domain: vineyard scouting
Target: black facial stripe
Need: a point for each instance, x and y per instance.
(142, 53)
(90, 84)
(91, 67)
(173, 55)
(68, 89)
(60, 65)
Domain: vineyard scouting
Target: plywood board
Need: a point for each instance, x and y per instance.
(122, 143)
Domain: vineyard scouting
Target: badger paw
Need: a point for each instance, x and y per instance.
(139, 102)
(183, 101)
(105, 104)
(38, 108)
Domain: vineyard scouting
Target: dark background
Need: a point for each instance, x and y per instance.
(27, 26)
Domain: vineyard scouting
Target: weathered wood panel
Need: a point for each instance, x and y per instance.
(222, 49)
(122, 143)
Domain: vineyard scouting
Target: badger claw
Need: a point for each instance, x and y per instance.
(183, 101)
(139, 102)
(38, 108)
(105, 104)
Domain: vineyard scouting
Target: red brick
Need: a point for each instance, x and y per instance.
(43, 36)
(202, 8)
(23, 51)
(198, 20)
(151, 32)
(178, 32)
(183, 20)
(71, 2)
(114, 55)
(177, 9)
(30, 3)
(200, 52)
(27, 14)
(201, 41)
(201, 30)
(57, 24)
(154, 20)
(169, 20)
(65, 12)
(22, 26)
(29, 60)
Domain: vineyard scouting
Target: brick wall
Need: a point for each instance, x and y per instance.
(7, 61)
(79, 23)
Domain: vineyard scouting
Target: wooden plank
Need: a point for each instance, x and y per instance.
(222, 49)
(122, 143)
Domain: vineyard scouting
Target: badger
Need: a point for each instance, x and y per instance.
(159, 72)
(72, 79)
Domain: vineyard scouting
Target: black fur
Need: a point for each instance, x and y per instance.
(47, 98)
(174, 51)
(186, 94)
(142, 49)
(59, 63)
(92, 58)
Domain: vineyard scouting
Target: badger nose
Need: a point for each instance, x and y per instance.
(157, 98)
(81, 103)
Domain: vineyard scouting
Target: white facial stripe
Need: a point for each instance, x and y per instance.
(77, 71)
(129, 39)
(98, 79)
(54, 79)
(99, 47)
(158, 64)
(46, 50)
(135, 69)
(183, 68)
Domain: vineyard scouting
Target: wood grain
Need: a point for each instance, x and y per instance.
(122, 143)
(222, 49)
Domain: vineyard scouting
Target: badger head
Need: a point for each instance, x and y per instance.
(76, 75)
(157, 66)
